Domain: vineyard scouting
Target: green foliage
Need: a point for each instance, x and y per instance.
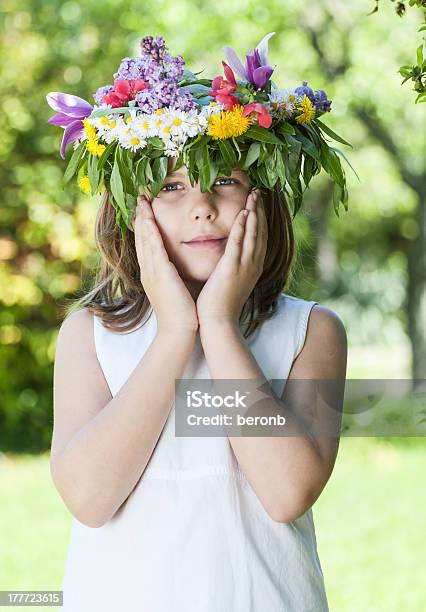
(416, 72)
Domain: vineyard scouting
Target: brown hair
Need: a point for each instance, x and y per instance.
(118, 297)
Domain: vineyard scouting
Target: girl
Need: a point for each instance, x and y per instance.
(191, 524)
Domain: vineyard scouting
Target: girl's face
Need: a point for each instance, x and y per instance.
(183, 213)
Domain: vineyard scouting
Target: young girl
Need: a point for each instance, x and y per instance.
(190, 524)
(194, 290)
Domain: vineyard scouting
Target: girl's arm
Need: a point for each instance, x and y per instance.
(289, 472)
(101, 445)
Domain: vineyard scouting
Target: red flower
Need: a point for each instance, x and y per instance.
(222, 89)
(264, 119)
(124, 91)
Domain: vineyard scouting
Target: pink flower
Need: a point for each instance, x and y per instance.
(263, 117)
(124, 91)
(222, 89)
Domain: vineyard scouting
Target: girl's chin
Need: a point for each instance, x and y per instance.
(200, 275)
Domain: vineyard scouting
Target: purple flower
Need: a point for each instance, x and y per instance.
(164, 93)
(175, 66)
(257, 70)
(154, 65)
(321, 102)
(133, 68)
(101, 92)
(305, 90)
(72, 111)
(154, 47)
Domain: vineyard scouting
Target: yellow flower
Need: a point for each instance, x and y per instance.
(84, 184)
(159, 111)
(93, 146)
(228, 124)
(89, 129)
(307, 111)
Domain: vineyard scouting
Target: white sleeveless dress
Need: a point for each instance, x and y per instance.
(193, 535)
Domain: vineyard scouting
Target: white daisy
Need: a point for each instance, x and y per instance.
(214, 108)
(112, 131)
(284, 101)
(132, 141)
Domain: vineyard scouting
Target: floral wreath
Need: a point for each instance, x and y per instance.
(157, 109)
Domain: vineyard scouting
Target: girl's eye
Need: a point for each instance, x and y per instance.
(169, 185)
(223, 178)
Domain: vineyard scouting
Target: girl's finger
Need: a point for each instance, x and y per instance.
(151, 233)
(250, 236)
(236, 236)
(142, 242)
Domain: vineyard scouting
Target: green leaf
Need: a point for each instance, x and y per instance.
(237, 147)
(159, 169)
(108, 150)
(197, 90)
(308, 146)
(264, 154)
(207, 168)
(155, 142)
(294, 158)
(105, 112)
(256, 132)
(252, 155)
(420, 55)
(140, 170)
(331, 164)
(228, 153)
(117, 185)
(93, 172)
(309, 168)
(332, 134)
(74, 162)
(263, 176)
(285, 128)
(280, 166)
(344, 156)
(421, 97)
(125, 163)
(297, 195)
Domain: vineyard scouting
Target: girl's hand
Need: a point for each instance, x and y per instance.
(173, 304)
(224, 294)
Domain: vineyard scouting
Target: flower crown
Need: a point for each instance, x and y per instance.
(157, 109)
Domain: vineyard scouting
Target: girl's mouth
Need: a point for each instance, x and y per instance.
(207, 244)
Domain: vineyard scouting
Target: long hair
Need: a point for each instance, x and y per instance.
(117, 296)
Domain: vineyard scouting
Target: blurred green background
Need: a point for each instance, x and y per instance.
(368, 265)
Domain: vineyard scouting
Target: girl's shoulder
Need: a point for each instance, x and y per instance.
(291, 305)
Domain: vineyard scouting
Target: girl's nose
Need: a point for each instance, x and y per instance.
(202, 206)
